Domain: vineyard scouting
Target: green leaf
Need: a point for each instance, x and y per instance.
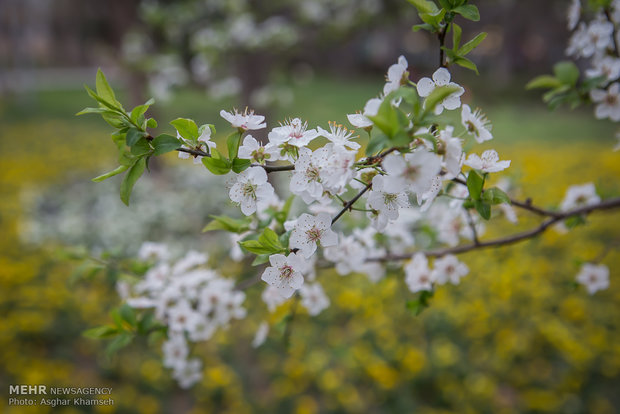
(232, 142)
(438, 95)
(131, 177)
(466, 63)
(133, 135)
(544, 82)
(140, 110)
(104, 90)
(270, 239)
(128, 314)
(141, 147)
(456, 36)
(119, 342)
(217, 165)
(495, 195)
(566, 72)
(260, 259)
(113, 119)
(151, 123)
(165, 143)
(228, 224)
(99, 332)
(468, 11)
(417, 306)
(256, 247)
(377, 143)
(116, 171)
(95, 111)
(475, 183)
(434, 19)
(472, 44)
(238, 165)
(424, 6)
(483, 208)
(187, 128)
(391, 121)
(424, 26)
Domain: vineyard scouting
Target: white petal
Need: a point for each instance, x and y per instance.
(425, 86)
(441, 77)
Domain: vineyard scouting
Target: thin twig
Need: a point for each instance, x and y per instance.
(609, 204)
(348, 205)
(472, 226)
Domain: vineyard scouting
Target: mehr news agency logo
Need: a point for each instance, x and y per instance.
(42, 395)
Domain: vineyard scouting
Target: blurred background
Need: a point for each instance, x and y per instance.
(516, 336)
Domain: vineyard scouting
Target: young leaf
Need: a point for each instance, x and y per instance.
(187, 128)
(475, 182)
(544, 82)
(424, 6)
(495, 195)
(472, 44)
(128, 314)
(466, 63)
(270, 239)
(119, 342)
(140, 110)
(116, 171)
(566, 72)
(468, 11)
(133, 135)
(238, 165)
(228, 224)
(483, 208)
(99, 332)
(456, 36)
(165, 143)
(218, 166)
(438, 95)
(131, 177)
(256, 247)
(232, 142)
(104, 90)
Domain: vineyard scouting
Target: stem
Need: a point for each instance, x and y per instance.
(349, 204)
(609, 204)
(442, 41)
(267, 168)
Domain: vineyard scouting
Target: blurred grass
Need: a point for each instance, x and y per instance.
(513, 337)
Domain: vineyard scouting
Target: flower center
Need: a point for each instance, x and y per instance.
(312, 173)
(249, 190)
(286, 271)
(611, 100)
(389, 198)
(314, 234)
(412, 172)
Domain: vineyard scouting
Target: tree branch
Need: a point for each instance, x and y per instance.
(609, 204)
(350, 203)
(268, 168)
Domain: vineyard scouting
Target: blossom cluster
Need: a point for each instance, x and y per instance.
(597, 41)
(192, 301)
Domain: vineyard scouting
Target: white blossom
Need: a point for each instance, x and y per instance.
(579, 196)
(449, 269)
(294, 132)
(608, 102)
(594, 277)
(417, 274)
(387, 196)
(311, 230)
(203, 139)
(488, 162)
(284, 274)
(574, 13)
(476, 124)
(397, 73)
(244, 121)
(306, 180)
(252, 150)
(441, 77)
(417, 169)
(189, 373)
(261, 335)
(251, 186)
(339, 135)
(272, 297)
(313, 298)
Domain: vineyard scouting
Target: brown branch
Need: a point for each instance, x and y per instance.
(609, 204)
(525, 205)
(268, 168)
(350, 203)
